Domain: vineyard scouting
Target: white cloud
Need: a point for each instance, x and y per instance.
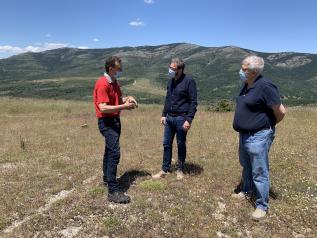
(136, 23)
(51, 46)
(10, 49)
(95, 40)
(48, 35)
(149, 1)
(37, 48)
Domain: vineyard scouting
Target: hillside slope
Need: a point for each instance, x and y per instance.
(70, 73)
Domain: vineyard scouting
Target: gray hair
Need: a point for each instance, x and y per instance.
(179, 62)
(255, 63)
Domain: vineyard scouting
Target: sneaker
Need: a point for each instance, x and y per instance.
(118, 197)
(240, 196)
(258, 214)
(160, 174)
(179, 175)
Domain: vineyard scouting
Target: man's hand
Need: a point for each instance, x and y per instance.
(132, 100)
(129, 105)
(163, 120)
(186, 126)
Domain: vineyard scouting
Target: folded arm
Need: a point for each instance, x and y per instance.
(279, 112)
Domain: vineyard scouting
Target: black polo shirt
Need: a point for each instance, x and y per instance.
(181, 97)
(254, 106)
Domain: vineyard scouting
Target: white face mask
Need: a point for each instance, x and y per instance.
(118, 74)
(243, 75)
(171, 73)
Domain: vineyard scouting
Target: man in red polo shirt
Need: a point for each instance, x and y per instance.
(108, 103)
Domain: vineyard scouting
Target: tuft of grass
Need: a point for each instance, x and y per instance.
(58, 165)
(3, 223)
(152, 185)
(22, 142)
(96, 191)
(111, 223)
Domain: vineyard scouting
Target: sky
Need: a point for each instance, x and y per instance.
(266, 26)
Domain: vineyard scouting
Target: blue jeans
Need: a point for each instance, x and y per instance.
(174, 125)
(110, 128)
(254, 158)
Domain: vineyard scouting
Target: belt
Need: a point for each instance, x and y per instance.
(175, 114)
(256, 130)
(109, 118)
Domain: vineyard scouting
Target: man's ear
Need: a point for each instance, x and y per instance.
(254, 74)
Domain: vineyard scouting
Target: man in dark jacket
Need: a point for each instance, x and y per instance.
(178, 113)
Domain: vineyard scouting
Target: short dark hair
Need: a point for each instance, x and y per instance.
(111, 62)
(179, 62)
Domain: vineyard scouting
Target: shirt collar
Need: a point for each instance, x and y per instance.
(179, 79)
(245, 85)
(109, 79)
(256, 81)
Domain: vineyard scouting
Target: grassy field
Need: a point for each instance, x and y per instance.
(50, 176)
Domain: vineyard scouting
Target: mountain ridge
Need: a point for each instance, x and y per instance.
(214, 68)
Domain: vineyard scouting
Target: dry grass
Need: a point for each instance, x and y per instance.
(45, 151)
(144, 85)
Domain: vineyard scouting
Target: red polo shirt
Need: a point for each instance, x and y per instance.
(106, 92)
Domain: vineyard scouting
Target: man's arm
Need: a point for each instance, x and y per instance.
(166, 100)
(192, 100)
(165, 108)
(105, 108)
(279, 112)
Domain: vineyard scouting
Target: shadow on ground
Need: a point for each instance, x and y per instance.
(190, 168)
(129, 177)
(252, 197)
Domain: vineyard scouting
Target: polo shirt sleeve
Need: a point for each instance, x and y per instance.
(120, 92)
(271, 95)
(102, 94)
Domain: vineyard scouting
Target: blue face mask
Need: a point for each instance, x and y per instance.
(171, 73)
(243, 76)
(118, 74)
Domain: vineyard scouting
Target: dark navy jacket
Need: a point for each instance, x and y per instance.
(254, 106)
(181, 97)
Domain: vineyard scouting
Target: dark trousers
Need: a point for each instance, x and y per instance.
(174, 125)
(110, 128)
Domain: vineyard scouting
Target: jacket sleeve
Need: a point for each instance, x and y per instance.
(164, 113)
(192, 92)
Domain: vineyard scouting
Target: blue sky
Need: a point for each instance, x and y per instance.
(267, 26)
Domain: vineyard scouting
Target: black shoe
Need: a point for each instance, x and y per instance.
(118, 197)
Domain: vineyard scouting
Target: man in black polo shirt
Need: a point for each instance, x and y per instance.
(258, 110)
(178, 113)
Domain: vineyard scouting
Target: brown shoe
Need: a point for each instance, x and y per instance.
(160, 174)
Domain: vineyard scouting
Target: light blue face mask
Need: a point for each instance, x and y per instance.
(243, 76)
(171, 73)
(118, 74)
